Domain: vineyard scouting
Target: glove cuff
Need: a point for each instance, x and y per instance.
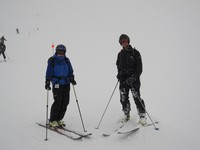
(47, 81)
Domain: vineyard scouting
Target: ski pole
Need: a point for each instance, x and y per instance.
(79, 108)
(47, 115)
(107, 105)
(135, 94)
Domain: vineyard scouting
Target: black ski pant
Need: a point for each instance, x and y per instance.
(61, 97)
(124, 97)
(4, 56)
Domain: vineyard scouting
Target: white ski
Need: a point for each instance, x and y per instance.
(130, 130)
(115, 130)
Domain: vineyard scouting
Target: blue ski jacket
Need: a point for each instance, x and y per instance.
(59, 70)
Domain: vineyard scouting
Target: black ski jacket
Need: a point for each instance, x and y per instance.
(129, 63)
(2, 48)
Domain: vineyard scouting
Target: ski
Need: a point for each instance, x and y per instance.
(136, 128)
(67, 134)
(114, 131)
(76, 132)
(130, 130)
(150, 124)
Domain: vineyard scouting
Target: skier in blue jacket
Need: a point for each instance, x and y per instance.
(60, 73)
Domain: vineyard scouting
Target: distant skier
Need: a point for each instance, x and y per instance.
(60, 73)
(129, 65)
(2, 50)
(17, 30)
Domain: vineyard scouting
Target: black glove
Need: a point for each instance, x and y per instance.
(131, 80)
(72, 81)
(47, 85)
(118, 76)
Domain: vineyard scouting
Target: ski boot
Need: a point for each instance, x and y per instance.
(61, 123)
(53, 124)
(143, 119)
(125, 118)
(126, 114)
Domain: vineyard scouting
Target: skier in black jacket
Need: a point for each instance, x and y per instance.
(129, 65)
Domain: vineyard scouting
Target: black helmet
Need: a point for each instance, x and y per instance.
(61, 47)
(123, 36)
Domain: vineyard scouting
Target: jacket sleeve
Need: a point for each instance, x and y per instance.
(71, 71)
(4, 47)
(117, 63)
(49, 71)
(139, 67)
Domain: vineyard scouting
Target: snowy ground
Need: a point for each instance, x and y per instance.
(167, 35)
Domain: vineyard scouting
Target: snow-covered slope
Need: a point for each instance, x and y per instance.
(165, 32)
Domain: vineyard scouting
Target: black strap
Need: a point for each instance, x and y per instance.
(61, 78)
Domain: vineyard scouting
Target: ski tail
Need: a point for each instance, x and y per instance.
(67, 134)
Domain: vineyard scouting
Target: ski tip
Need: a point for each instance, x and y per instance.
(89, 133)
(86, 135)
(78, 138)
